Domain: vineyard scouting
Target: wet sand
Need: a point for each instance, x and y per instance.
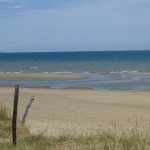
(36, 76)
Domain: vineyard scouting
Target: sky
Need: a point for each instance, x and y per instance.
(74, 25)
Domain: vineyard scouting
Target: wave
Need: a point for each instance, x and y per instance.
(63, 72)
(46, 72)
(124, 72)
(17, 72)
(90, 72)
(34, 67)
(130, 72)
(8, 72)
(79, 73)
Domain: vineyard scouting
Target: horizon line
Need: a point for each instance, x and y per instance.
(72, 51)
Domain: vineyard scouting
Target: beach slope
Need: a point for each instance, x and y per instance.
(84, 108)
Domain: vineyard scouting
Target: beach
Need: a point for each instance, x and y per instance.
(38, 76)
(83, 109)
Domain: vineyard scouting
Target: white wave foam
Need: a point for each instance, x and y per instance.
(88, 72)
(130, 72)
(45, 72)
(18, 72)
(79, 73)
(63, 72)
(124, 72)
(34, 67)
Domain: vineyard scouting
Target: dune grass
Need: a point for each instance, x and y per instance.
(6, 127)
(108, 139)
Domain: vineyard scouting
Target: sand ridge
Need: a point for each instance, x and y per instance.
(36, 76)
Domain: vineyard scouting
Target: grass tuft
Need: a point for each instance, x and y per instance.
(4, 114)
(134, 139)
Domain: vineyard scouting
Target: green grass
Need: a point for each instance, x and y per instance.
(108, 139)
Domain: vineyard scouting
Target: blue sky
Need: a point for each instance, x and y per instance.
(74, 25)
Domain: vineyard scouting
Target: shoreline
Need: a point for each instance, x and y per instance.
(72, 88)
(70, 81)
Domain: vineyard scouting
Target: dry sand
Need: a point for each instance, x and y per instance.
(80, 108)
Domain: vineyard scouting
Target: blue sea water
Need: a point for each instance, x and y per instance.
(109, 70)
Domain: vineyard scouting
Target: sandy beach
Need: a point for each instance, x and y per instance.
(80, 108)
(36, 76)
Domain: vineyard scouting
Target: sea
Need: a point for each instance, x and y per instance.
(105, 70)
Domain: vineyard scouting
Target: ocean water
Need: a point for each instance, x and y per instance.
(109, 70)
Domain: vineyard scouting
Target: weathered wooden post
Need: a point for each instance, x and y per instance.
(14, 119)
(27, 109)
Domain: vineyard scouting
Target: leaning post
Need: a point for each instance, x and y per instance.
(27, 109)
(14, 118)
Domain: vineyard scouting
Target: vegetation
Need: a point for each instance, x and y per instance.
(6, 127)
(99, 140)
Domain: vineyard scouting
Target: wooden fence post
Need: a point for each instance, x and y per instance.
(14, 119)
(27, 109)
